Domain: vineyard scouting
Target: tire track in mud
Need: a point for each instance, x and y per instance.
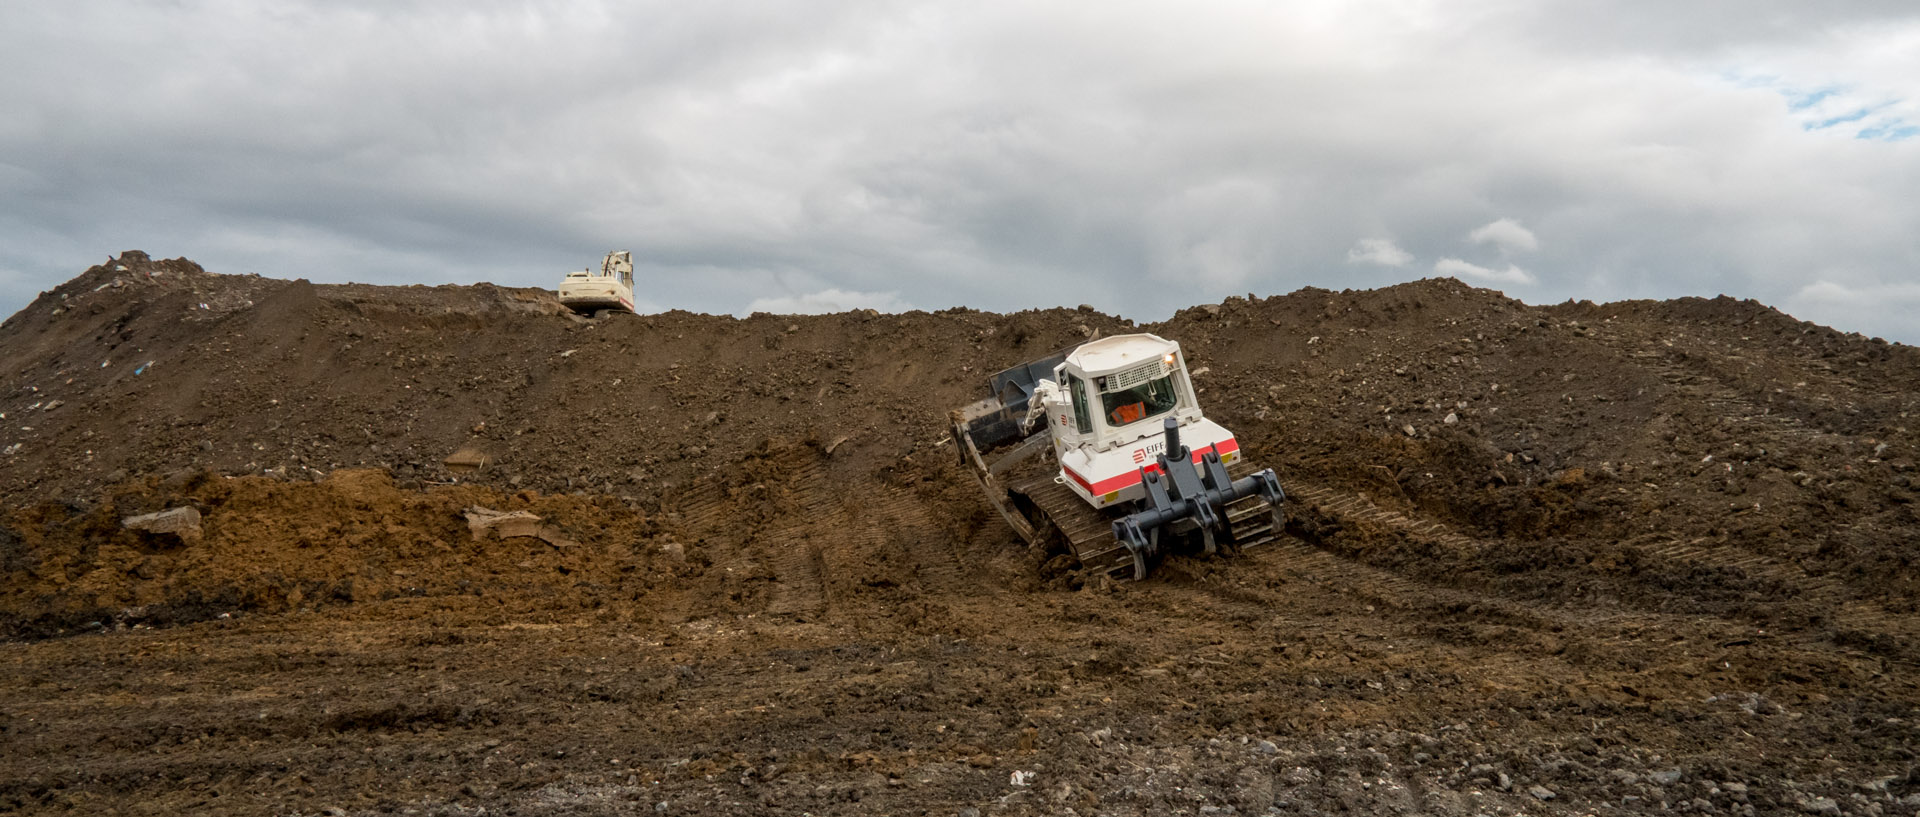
(1374, 585)
(1695, 553)
(849, 538)
(814, 538)
(1346, 577)
(1702, 552)
(893, 526)
(993, 558)
(1432, 612)
(703, 519)
(800, 570)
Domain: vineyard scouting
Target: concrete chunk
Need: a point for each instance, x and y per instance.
(468, 460)
(487, 522)
(183, 522)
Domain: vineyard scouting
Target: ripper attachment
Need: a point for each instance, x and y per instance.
(1185, 494)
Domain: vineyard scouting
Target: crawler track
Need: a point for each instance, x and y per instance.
(1088, 532)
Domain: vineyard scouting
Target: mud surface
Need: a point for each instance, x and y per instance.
(1619, 558)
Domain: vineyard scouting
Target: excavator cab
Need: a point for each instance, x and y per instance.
(598, 295)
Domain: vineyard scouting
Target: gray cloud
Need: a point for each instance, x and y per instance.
(1379, 251)
(1506, 234)
(1137, 156)
(830, 300)
(1484, 276)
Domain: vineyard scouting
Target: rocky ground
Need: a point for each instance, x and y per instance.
(1584, 558)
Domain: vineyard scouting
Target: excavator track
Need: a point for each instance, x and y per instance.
(1088, 532)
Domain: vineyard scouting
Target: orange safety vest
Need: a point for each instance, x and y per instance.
(1128, 413)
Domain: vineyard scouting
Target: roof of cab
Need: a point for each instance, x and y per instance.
(1119, 352)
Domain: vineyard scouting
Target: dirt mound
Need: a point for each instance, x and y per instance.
(1630, 557)
(273, 546)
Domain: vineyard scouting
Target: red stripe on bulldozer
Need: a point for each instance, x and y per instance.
(1131, 478)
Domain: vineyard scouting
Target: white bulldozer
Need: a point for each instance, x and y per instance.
(597, 295)
(1138, 469)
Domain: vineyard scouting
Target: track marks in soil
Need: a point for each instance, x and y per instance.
(903, 523)
(818, 544)
(1842, 617)
(1845, 616)
(791, 545)
(1843, 622)
(1289, 560)
(766, 528)
(1349, 507)
(1310, 591)
(1697, 382)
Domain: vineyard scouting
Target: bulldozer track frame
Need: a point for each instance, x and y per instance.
(1039, 508)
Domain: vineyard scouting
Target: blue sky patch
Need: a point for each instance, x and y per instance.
(1803, 101)
(1890, 131)
(1842, 119)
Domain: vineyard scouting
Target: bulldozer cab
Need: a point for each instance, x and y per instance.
(1110, 392)
(1142, 402)
(1121, 388)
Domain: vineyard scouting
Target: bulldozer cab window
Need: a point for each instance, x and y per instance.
(1082, 420)
(1150, 399)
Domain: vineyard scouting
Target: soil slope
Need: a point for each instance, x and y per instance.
(1618, 558)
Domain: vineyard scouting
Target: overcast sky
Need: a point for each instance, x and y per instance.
(1137, 156)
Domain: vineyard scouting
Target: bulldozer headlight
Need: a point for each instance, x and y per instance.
(1168, 359)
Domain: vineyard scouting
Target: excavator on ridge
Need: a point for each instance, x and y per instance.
(599, 295)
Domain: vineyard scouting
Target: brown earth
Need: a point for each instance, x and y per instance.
(1661, 559)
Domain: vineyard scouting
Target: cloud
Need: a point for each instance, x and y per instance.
(1873, 308)
(1506, 234)
(1004, 156)
(1512, 275)
(1379, 251)
(825, 301)
(1218, 235)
